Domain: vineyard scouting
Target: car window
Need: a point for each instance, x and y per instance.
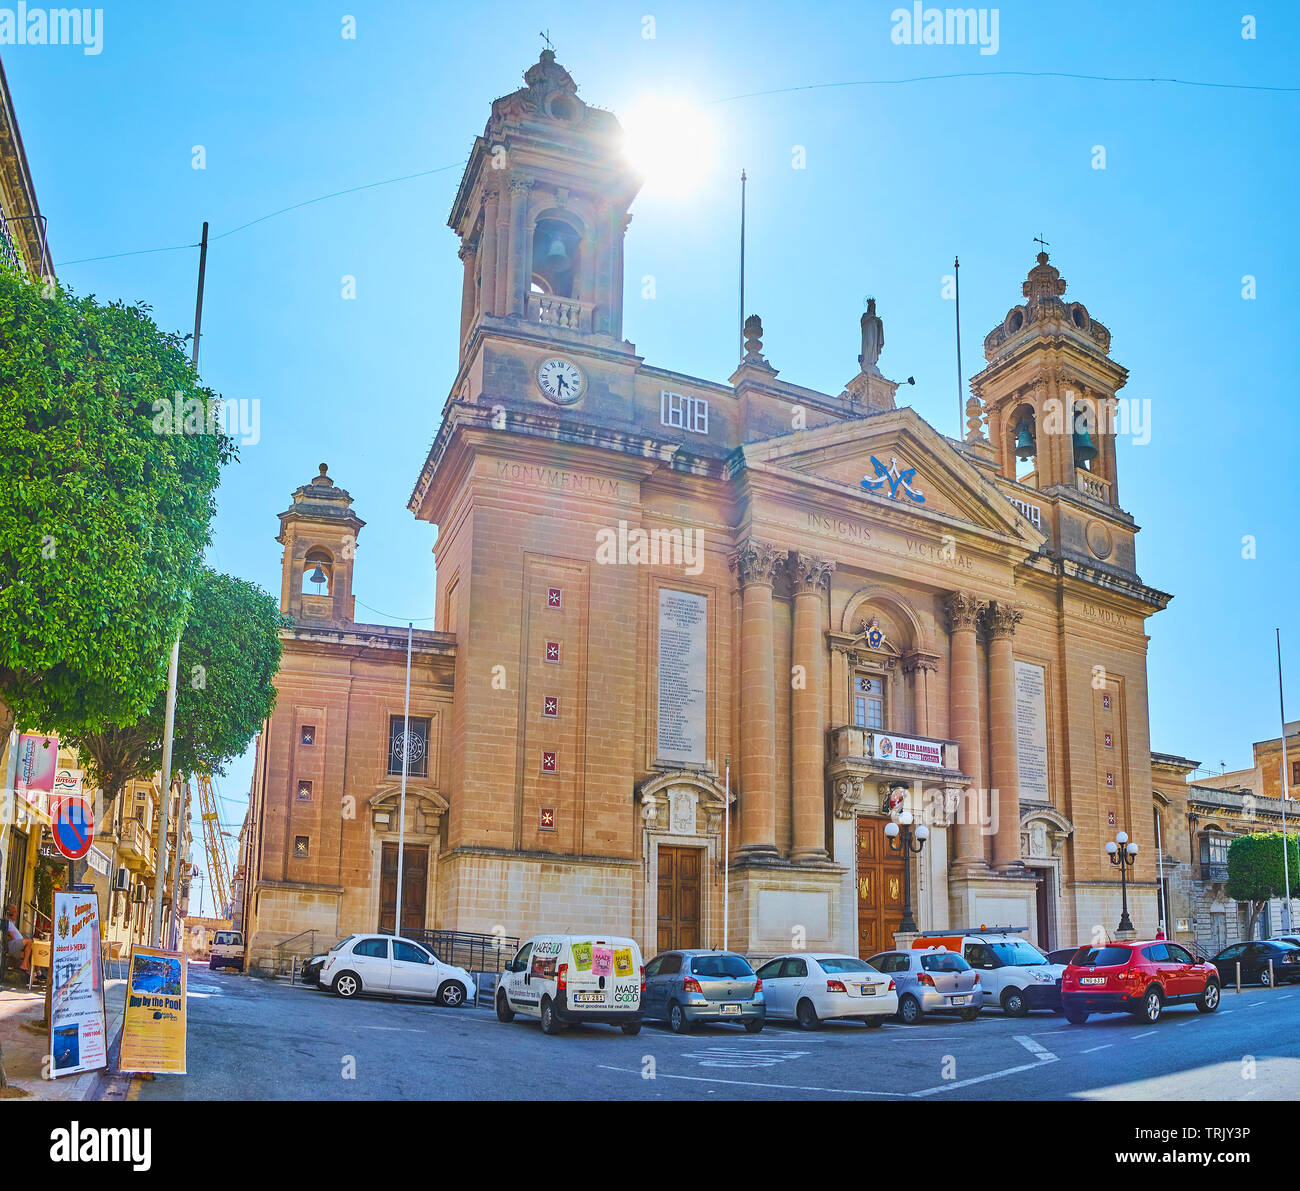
(1178, 954)
(672, 964)
(835, 964)
(342, 943)
(410, 953)
(1102, 957)
(520, 962)
(977, 954)
(1231, 952)
(374, 948)
(944, 961)
(719, 966)
(771, 969)
(652, 968)
(889, 962)
(795, 967)
(1156, 953)
(1018, 953)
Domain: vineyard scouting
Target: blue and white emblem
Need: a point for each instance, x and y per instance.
(898, 481)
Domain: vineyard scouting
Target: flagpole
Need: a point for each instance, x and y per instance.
(742, 264)
(726, 860)
(961, 401)
(401, 808)
(1286, 859)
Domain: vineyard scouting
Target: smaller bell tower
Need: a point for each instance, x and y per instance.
(1048, 392)
(319, 535)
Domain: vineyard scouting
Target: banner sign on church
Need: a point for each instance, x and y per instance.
(907, 750)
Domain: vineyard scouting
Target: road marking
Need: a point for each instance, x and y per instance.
(1090, 1049)
(1147, 1034)
(746, 1083)
(965, 1083)
(1041, 1053)
(726, 1056)
(1253, 1004)
(393, 1029)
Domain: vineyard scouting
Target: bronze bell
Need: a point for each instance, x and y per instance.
(557, 251)
(1084, 451)
(317, 576)
(1025, 447)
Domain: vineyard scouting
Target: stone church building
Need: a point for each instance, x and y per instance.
(673, 611)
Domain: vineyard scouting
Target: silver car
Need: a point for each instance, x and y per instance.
(687, 987)
(931, 981)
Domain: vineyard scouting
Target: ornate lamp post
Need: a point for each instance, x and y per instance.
(909, 840)
(1124, 854)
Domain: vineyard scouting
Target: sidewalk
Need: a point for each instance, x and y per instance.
(25, 1046)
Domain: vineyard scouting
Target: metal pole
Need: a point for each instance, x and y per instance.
(160, 849)
(1286, 859)
(401, 806)
(198, 301)
(742, 264)
(176, 868)
(1160, 865)
(726, 861)
(961, 401)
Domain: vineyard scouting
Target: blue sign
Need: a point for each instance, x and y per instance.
(72, 827)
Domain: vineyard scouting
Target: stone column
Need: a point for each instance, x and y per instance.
(519, 266)
(808, 576)
(919, 666)
(487, 297)
(964, 609)
(469, 255)
(1002, 619)
(754, 564)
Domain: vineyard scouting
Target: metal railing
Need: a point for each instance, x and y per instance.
(464, 949)
(289, 964)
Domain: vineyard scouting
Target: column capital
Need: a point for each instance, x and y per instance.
(1001, 619)
(808, 573)
(913, 662)
(522, 183)
(467, 250)
(491, 192)
(755, 562)
(964, 609)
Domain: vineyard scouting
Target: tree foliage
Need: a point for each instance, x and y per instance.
(1256, 872)
(102, 520)
(229, 657)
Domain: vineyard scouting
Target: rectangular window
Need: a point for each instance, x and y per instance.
(1295, 777)
(1214, 849)
(304, 791)
(868, 702)
(417, 748)
(301, 847)
(683, 412)
(309, 734)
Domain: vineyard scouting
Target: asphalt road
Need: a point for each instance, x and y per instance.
(254, 1040)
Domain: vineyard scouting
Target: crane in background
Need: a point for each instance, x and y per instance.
(213, 840)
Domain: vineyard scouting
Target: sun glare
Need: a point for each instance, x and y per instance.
(671, 142)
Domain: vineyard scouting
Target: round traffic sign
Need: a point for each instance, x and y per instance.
(72, 826)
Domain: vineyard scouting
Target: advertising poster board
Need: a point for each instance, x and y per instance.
(78, 1034)
(153, 1028)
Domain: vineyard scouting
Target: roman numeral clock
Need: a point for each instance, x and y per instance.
(561, 381)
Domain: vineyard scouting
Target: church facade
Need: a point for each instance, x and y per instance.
(698, 643)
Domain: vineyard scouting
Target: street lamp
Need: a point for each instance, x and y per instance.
(909, 840)
(1124, 854)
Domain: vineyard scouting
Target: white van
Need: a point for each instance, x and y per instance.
(227, 950)
(572, 979)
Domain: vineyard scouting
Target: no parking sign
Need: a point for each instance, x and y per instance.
(72, 826)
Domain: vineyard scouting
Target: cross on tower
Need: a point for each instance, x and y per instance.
(1039, 240)
(545, 35)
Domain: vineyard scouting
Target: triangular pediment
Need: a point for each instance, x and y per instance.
(895, 459)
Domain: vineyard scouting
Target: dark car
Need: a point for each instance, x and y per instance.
(1063, 955)
(1254, 960)
(310, 973)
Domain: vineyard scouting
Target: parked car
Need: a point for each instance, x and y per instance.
(685, 988)
(935, 981)
(227, 950)
(1139, 978)
(572, 980)
(1063, 955)
(310, 971)
(395, 967)
(1253, 958)
(1014, 974)
(813, 987)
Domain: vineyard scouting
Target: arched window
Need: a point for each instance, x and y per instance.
(318, 573)
(556, 249)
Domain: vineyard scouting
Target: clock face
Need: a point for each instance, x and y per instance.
(561, 381)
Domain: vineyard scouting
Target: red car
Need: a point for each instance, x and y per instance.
(1139, 978)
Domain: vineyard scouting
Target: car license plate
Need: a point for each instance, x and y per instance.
(959, 1000)
(1092, 979)
(587, 998)
(731, 1009)
(867, 990)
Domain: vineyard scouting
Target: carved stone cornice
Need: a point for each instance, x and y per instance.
(755, 562)
(913, 662)
(466, 250)
(808, 573)
(849, 791)
(1001, 620)
(964, 609)
(521, 184)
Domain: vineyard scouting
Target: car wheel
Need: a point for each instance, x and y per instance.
(1076, 1017)
(451, 995)
(755, 1026)
(212, 963)
(632, 1029)
(1263, 977)
(504, 1012)
(347, 985)
(806, 1015)
(969, 1014)
(1152, 1005)
(550, 1023)
(874, 1023)
(1208, 1001)
(1014, 1003)
(677, 1021)
(909, 1009)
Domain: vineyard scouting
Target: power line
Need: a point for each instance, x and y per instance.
(393, 615)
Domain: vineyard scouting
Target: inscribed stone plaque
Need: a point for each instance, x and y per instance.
(1031, 731)
(683, 652)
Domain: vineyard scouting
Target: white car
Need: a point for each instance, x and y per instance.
(395, 967)
(816, 986)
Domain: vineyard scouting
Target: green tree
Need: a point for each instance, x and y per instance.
(104, 512)
(225, 688)
(1256, 872)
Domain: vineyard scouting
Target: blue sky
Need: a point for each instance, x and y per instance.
(1198, 191)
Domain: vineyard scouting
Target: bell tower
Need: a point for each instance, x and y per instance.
(1048, 393)
(319, 535)
(541, 212)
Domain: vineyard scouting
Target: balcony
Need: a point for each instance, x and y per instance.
(865, 763)
(131, 846)
(1091, 485)
(564, 314)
